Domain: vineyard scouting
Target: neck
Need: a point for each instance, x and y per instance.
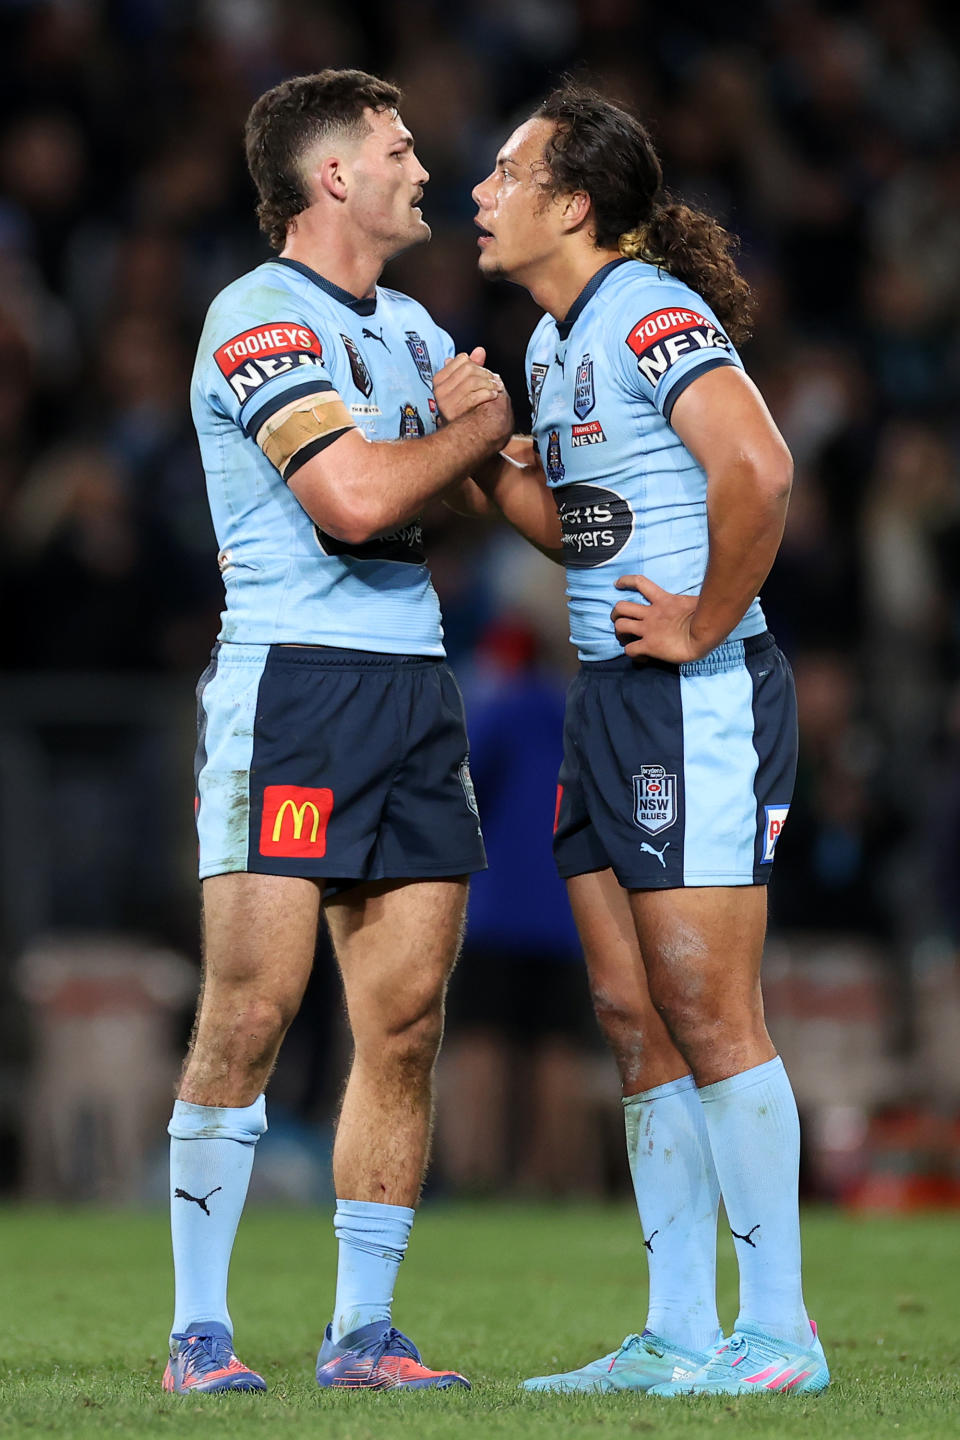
(337, 257)
(557, 284)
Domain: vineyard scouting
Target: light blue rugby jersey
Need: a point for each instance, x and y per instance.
(275, 335)
(632, 499)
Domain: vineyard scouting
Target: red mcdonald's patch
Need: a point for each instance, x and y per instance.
(294, 821)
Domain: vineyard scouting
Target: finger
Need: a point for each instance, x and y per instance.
(628, 630)
(456, 363)
(639, 582)
(478, 355)
(629, 610)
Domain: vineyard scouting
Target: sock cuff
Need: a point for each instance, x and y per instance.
(219, 1122)
(660, 1092)
(372, 1210)
(756, 1075)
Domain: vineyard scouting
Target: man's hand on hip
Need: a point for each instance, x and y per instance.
(660, 630)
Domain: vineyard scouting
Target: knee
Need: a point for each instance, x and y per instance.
(634, 1035)
(246, 1024)
(409, 1042)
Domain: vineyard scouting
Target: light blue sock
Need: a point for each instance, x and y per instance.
(211, 1157)
(678, 1197)
(372, 1239)
(755, 1137)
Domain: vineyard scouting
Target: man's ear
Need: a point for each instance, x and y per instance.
(576, 208)
(329, 178)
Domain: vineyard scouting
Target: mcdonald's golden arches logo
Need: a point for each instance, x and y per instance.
(294, 821)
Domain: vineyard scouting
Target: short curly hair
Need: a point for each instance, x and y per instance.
(293, 116)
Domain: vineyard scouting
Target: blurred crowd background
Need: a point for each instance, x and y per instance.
(825, 135)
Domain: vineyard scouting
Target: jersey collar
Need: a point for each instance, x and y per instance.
(565, 325)
(366, 305)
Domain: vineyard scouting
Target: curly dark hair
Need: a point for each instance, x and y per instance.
(600, 148)
(290, 118)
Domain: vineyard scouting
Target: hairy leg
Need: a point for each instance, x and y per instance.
(642, 1048)
(259, 937)
(396, 944)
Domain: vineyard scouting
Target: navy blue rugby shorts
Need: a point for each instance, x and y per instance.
(678, 775)
(324, 762)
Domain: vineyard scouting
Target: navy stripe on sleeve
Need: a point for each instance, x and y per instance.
(307, 452)
(295, 392)
(674, 393)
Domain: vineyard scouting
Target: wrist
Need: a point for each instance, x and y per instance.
(703, 635)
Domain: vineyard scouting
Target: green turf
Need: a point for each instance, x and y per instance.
(496, 1292)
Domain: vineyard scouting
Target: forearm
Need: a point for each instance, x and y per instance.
(405, 474)
(745, 517)
(357, 489)
(514, 484)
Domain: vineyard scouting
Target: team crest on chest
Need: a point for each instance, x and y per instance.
(421, 357)
(411, 426)
(358, 370)
(654, 799)
(538, 373)
(584, 397)
(555, 466)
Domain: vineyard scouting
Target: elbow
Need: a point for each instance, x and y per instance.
(773, 477)
(353, 527)
(353, 520)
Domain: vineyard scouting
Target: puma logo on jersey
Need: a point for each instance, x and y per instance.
(659, 854)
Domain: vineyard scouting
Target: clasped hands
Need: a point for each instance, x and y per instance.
(663, 628)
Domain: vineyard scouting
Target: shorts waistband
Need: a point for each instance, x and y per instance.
(318, 656)
(727, 656)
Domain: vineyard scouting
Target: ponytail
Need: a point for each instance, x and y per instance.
(694, 248)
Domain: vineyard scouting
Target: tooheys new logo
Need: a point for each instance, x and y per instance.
(596, 524)
(251, 359)
(662, 338)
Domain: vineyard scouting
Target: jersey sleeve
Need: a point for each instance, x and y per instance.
(667, 338)
(270, 378)
(446, 348)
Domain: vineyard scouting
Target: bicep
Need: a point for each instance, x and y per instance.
(330, 478)
(722, 419)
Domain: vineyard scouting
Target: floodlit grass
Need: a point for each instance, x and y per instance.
(494, 1291)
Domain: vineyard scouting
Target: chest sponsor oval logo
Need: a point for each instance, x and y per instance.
(596, 524)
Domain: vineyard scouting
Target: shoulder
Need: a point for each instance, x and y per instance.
(640, 289)
(408, 311)
(545, 326)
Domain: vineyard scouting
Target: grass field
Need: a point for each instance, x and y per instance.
(498, 1292)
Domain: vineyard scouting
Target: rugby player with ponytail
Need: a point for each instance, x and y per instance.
(655, 467)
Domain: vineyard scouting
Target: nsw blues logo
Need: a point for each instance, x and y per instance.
(584, 396)
(358, 370)
(538, 373)
(654, 799)
(411, 426)
(555, 466)
(421, 357)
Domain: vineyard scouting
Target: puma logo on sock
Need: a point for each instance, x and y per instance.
(747, 1236)
(202, 1201)
(649, 1243)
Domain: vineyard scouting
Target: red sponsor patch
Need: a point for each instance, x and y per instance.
(589, 433)
(661, 324)
(282, 338)
(294, 821)
(556, 813)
